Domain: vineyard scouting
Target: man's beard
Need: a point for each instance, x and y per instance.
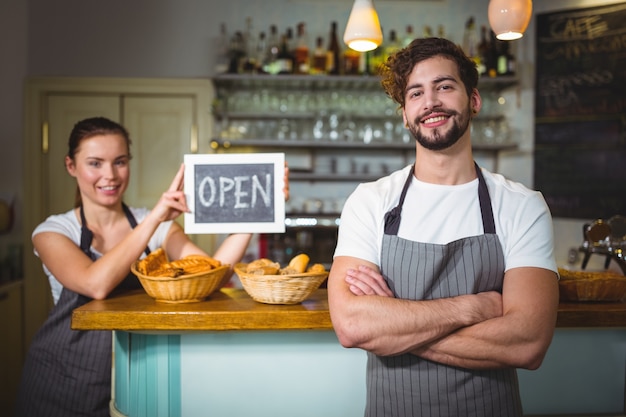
(439, 141)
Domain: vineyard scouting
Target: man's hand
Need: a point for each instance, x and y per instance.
(367, 281)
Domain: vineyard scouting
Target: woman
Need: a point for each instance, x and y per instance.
(87, 253)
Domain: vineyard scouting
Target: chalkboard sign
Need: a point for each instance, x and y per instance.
(235, 193)
(580, 109)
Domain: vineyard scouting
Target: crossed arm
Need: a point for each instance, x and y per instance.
(475, 331)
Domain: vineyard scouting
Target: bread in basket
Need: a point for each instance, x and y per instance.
(266, 282)
(190, 279)
(581, 285)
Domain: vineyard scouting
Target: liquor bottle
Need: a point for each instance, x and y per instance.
(271, 55)
(261, 52)
(506, 61)
(408, 36)
(334, 53)
(376, 59)
(284, 60)
(301, 52)
(249, 64)
(483, 51)
(320, 57)
(511, 63)
(470, 41)
(351, 62)
(236, 53)
(291, 41)
(221, 47)
(501, 64)
(441, 31)
(391, 46)
(428, 32)
(492, 57)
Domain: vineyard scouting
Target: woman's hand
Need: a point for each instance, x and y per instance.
(367, 281)
(286, 182)
(173, 202)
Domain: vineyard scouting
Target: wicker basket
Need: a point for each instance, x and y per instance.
(280, 289)
(576, 285)
(184, 288)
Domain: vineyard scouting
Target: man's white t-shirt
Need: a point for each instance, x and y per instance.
(441, 214)
(67, 224)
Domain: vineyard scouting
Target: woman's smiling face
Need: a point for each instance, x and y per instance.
(101, 167)
(437, 109)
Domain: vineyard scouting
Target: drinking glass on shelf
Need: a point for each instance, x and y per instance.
(287, 102)
(503, 135)
(332, 132)
(318, 125)
(305, 130)
(284, 130)
(348, 129)
(388, 131)
(303, 102)
(366, 133)
(489, 132)
(402, 133)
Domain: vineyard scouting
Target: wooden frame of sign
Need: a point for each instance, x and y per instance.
(235, 193)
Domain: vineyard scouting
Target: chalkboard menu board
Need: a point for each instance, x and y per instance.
(235, 193)
(580, 109)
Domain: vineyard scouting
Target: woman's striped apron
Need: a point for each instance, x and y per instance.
(67, 372)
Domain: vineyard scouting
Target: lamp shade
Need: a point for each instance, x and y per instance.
(509, 18)
(363, 31)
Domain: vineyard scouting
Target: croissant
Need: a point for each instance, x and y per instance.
(156, 265)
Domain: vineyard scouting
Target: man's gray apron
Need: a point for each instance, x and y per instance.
(406, 385)
(67, 372)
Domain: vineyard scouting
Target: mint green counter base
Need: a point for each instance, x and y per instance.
(583, 373)
(146, 376)
(277, 374)
(221, 374)
(308, 374)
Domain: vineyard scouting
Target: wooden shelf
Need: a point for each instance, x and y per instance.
(274, 143)
(325, 82)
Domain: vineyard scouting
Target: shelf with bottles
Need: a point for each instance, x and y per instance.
(305, 144)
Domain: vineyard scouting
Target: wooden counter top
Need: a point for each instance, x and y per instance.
(227, 309)
(231, 309)
(591, 314)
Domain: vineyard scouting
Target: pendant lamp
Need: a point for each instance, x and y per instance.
(363, 31)
(509, 18)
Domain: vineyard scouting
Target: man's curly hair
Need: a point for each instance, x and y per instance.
(395, 71)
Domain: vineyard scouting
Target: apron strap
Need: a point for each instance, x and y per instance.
(133, 223)
(393, 217)
(489, 225)
(86, 235)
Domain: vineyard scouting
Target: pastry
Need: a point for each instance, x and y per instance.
(152, 262)
(263, 266)
(156, 265)
(299, 263)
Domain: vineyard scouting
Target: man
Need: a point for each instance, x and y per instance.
(443, 272)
